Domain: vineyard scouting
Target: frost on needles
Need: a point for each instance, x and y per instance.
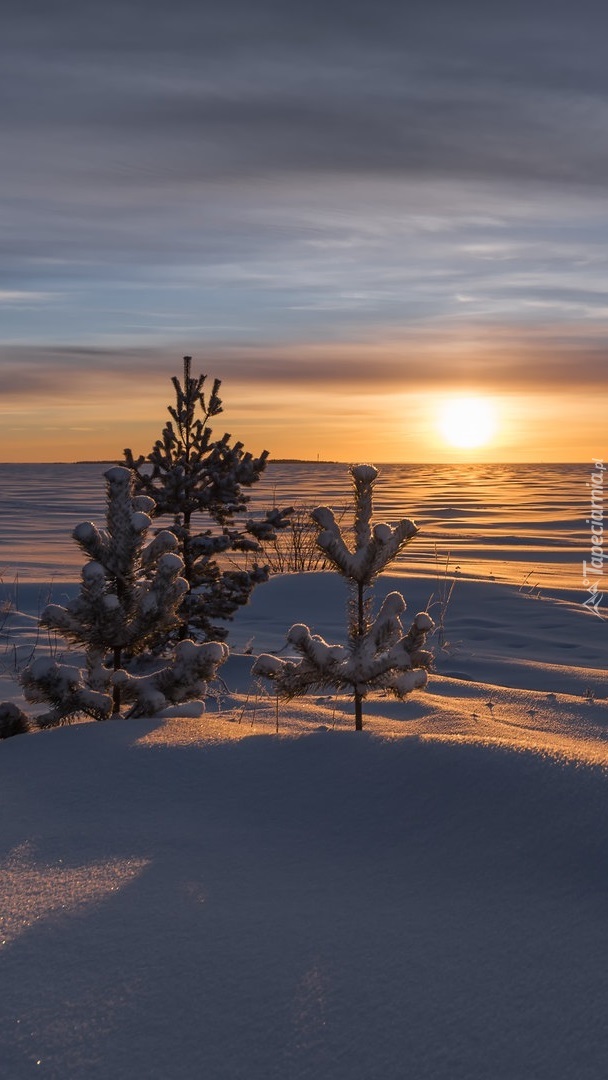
(379, 655)
(199, 481)
(129, 600)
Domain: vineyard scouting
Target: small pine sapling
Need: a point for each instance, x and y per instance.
(379, 656)
(199, 480)
(129, 600)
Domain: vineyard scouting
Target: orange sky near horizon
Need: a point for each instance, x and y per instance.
(303, 422)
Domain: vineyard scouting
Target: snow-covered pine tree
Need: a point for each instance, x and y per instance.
(199, 481)
(129, 599)
(379, 656)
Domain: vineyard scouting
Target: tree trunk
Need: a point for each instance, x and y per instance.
(188, 573)
(358, 711)
(360, 611)
(116, 689)
(360, 633)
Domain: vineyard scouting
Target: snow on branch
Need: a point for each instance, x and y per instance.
(379, 656)
(375, 547)
(379, 660)
(184, 679)
(62, 687)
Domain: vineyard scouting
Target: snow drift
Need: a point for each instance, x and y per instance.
(333, 905)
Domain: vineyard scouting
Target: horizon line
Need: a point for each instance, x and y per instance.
(318, 461)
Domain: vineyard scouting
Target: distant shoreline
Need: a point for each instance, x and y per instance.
(324, 461)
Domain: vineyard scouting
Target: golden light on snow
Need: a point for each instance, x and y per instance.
(32, 891)
(467, 422)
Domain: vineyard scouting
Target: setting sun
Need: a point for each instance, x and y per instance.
(467, 422)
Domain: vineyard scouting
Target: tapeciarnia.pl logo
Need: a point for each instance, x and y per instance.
(593, 569)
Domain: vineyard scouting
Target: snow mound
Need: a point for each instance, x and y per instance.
(333, 905)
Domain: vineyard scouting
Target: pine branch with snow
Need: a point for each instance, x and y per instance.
(62, 688)
(378, 660)
(375, 547)
(131, 593)
(379, 655)
(130, 590)
(184, 679)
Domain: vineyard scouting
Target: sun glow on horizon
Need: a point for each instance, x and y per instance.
(402, 423)
(467, 422)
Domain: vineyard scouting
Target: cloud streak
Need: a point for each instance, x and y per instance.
(308, 194)
(495, 360)
(189, 92)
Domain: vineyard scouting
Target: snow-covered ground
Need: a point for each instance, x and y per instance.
(193, 898)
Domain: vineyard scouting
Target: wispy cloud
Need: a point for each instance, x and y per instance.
(303, 193)
(20, 297)
(493, 358)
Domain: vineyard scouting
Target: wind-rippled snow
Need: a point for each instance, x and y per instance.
(505, 521)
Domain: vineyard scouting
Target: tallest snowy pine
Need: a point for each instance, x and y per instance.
(379, 656)
(202, 483)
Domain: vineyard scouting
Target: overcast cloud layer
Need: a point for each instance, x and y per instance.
(261, 179)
